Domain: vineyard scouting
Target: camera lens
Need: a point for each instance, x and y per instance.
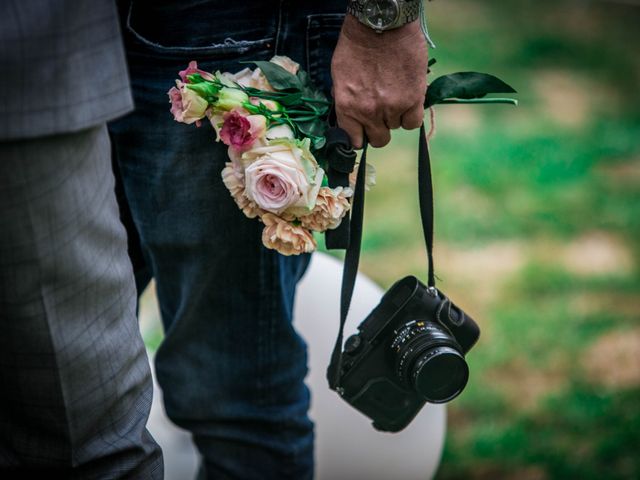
(429, 360)
(440, 374)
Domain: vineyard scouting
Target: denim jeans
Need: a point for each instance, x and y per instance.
(231, 366)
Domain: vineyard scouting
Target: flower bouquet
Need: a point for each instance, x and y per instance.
(272, 120)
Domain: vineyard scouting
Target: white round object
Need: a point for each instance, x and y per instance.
(347, 445)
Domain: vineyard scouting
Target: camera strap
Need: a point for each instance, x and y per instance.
(352, 254)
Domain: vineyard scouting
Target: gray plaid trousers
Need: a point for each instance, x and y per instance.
(75, 386)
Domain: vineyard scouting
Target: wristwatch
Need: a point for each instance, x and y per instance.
(384, 15)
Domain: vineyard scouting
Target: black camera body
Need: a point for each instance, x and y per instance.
(408, 351)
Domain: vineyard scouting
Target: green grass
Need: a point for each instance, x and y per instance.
(563, 166)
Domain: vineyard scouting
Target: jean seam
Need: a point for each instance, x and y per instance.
(278, 29)
(315, 21)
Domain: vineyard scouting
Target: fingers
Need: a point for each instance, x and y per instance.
(393, 121)
(353, 128)
(378, 127)
(413, 117)
(378, 134)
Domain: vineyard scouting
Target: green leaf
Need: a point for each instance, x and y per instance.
(278, 77)
(464, 85)
(304, 79)
(314, 130)
(291, 99)
(310, 90)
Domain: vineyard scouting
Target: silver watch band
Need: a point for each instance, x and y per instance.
(409, 10)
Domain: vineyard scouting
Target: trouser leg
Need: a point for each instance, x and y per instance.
(76, 385)
(231, 366)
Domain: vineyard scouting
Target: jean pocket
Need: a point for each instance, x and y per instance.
(187, 36)
(321, 38)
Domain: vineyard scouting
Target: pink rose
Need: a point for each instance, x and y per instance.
(283, 175)
(286, 238)
(186, 105)
(193, 68)
(241, 132)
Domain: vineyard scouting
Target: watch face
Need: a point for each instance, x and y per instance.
(381, 13)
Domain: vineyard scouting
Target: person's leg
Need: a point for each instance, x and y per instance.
(76, 384)
(231, 366)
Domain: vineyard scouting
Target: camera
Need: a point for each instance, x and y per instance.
(408, 351)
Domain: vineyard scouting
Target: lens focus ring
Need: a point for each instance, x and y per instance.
(440, 374)
(429, 360)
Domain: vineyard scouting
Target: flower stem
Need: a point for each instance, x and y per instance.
(451, 101)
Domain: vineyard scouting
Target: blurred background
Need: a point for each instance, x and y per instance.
(537, 235)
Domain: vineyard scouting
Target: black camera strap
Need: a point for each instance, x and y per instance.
(352, 255)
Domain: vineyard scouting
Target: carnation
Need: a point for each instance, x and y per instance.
(241, 132)
(233, 179)
(286, 238)
(331, 206)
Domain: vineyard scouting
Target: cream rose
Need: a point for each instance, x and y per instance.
(331, 207)
(279, 131)
(186, 105)
(230, 99)
(281, 176)
(286, 238)
(286, 63)
(251, 78)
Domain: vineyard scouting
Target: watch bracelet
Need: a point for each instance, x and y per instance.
(411, 12)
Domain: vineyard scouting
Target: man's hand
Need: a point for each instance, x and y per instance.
(379, 80)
